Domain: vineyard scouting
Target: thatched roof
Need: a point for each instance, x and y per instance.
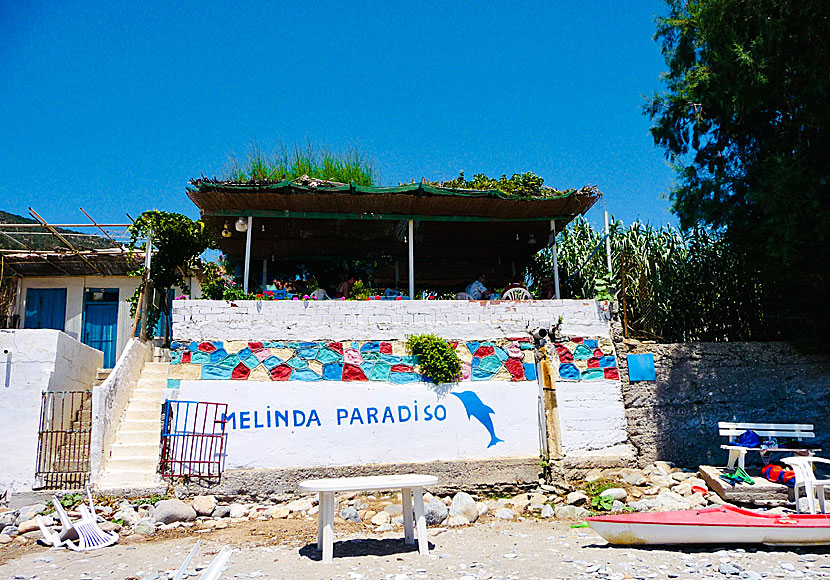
(107, 262)
(456, 231)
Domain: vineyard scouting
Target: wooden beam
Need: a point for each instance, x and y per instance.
(62, 239)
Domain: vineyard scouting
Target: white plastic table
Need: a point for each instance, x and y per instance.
(410, 484)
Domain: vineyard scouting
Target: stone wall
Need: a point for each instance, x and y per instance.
(309, 320)
(698, 384)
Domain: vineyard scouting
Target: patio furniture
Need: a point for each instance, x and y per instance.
(805, 480)
(517, 294)
(411, 486)
(85, 530)
(463, 296)
(320, 294)
(737, 452)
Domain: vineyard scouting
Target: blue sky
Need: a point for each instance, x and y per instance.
(115, 106)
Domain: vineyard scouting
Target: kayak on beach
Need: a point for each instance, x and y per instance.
(716, 525)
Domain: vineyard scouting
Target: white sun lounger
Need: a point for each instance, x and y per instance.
(214, 569)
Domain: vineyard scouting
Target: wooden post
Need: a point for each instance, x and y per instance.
(138, 309)
(551, 407)
(145, 310)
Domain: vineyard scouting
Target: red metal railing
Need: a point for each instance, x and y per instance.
(193, 440)
(63, 440)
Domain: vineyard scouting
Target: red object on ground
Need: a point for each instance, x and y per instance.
(698, 489)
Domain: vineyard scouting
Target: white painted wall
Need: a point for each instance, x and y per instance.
(75, 287)
(379, 319)
(591, 415)
(252, 443)
(33, 361)
(109, 401)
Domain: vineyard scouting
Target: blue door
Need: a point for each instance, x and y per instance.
(45, 308)
(101, 322)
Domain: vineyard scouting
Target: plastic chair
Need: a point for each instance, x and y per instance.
(319, 294)
(79, 536)
(805, 479)
(463, 296)
(517, 294)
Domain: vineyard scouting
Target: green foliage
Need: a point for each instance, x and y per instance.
(594, 488)
(70, 500)
(745, 120)
(602, 502)
(350, 166)
(361, 291)
(437, 359)
(217, 284)
(522, 185)
(152, 500)
(674, 286)
(179, 241)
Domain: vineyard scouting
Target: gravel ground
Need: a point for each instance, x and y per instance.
(489, 549)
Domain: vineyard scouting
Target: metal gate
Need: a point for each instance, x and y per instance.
(193, 440)
(63, 440)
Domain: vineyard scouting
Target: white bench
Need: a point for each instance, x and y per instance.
(737, 453)
(411, 486)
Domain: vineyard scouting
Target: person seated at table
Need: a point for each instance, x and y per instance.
(478, 289)
(345, 288)
(546, 289)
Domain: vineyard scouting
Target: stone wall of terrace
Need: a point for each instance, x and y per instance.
(309, 320)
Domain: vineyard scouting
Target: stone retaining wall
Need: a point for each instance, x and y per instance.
(698, 384)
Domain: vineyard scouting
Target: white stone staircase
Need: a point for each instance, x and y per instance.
(133, 461)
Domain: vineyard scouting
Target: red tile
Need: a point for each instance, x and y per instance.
(483, 351)
(336, 346)
(612, 373)
(386, 348)
(401, 369)
(516, 369)
(593, 363)
(240, 373)
(207, 347)
(186, 357)
(281, 373)
(353, 373)
(255, 345)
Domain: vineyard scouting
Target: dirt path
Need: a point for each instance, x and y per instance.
(489, 549)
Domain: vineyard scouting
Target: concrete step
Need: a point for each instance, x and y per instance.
(139, 435)
(132, 463)
(142, 414)
(139, 449)
(128, 480)
(103, 374)
(144, 404)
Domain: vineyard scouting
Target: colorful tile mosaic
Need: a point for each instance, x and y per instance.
(586, 359)
(498, 360)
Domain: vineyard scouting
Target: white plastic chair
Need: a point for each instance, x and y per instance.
(319, 294)
(86, 531)
(517, 294)
(805, 479)
(463, 296)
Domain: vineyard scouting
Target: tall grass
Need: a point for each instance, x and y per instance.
(675, 286)
(348, 166)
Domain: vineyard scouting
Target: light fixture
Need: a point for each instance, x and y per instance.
(226, 232)
(531, 239)
(241, 225)
(517, 237)
(263, 228)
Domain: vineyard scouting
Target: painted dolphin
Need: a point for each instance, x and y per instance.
(475, 408)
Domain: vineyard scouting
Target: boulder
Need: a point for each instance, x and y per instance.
(393, 509)
(350, 515)
(301, 505)
(4, 539)
(128, 515)
(570, 512)
(504, 514)
(221, 511)
(616, 493)
(634, 478)
(483, 508)
(547, 511)
(671, 501)
(278, 512)
(383, 517)
(237, 510)
(464, 505)
(455, 521)
(644, 505)
(576, 498)
(696, 500)
(684, 489)
(27, 526)
(617, 506)
(204, 504)
(436, 512)
(173, 510)
(144, 527)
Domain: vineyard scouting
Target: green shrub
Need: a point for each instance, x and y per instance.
(437, 359)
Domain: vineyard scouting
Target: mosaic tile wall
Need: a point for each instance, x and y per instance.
(499, 360)
(585, 359)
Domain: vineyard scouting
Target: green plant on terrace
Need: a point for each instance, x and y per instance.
(437, 359)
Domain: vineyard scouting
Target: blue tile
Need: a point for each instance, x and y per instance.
(591, 343)
(641, 367)
(569, 371)
(175, 357)
(480, 374)
(392, 359)
(217, 355)
(473, 347)
(199, 357)
(297, 363)
(174, 383)
(592, 374)
(371, 346)
(175, 345)
(213, 373)
(304, 375)
(501, 353)
(607, 362)
(400, 378)
(333, 371)
(308, 353)
(530, 371)
(271, 362)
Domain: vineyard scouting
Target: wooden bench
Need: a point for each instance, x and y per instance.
(737, 453)
(411, 486)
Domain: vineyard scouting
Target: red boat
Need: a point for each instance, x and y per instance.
(717, 525)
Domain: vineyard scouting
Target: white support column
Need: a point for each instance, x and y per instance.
(248, 253)
(607, 242)
(555, 258)
(148, 253)
(411, 260)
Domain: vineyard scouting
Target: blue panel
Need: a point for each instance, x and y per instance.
(641, 367)
(530, 371)
(100, 329)
(45, 308)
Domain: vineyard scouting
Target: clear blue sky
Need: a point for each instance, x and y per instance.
(114, 106)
